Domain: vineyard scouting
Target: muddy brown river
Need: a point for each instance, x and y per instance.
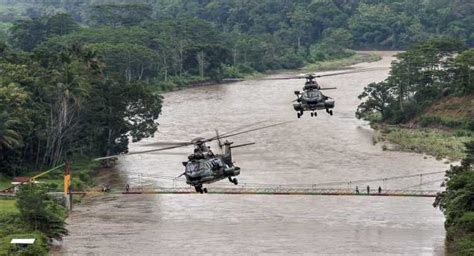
(306, 151)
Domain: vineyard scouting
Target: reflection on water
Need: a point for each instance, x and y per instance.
(306, 151)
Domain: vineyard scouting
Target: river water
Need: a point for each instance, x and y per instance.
(306, 151)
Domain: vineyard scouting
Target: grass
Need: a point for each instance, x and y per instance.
(446, 121)
(341, 63)
(4, 183)
(7, 206)
(438, 143)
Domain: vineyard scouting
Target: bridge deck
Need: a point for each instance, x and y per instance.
(287, 191)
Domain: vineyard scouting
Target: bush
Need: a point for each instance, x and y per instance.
(466, 222)
(456, 204)
(40, 247)
(40, 212)
(290, 61)
(455, 123)
(324, 51)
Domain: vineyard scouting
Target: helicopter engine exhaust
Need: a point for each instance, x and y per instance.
(232, 171)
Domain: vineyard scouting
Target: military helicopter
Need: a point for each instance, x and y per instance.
(203, 166)
(312, 99)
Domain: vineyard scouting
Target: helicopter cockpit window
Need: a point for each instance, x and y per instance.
(192, 167)
(314, 94)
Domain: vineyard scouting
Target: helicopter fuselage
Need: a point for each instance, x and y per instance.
(205, 168)
(311, 100)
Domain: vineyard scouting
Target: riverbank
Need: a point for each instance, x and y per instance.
(85, 175)
(244, 73)
(441, 130)
(438, 143)
(337, 64)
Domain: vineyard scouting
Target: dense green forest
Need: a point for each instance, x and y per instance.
(78, 78)
(457, 204)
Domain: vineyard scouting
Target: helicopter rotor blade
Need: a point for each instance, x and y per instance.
(242, 127)
(191, 143)
(328, 88)
(169, 153)
(181, 175)
(251, 130)
(324, 75)
(160, 149)
(349, 72)
(243, 145)
(283, 78)
(165, 143)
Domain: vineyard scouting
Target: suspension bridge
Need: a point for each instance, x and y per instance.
(286, 191)
(412, 185)
(401, 186)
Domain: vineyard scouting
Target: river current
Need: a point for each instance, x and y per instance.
(305, 151)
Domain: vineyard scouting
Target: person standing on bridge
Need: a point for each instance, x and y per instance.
(357, 189)
(368, 189)
(380, 190)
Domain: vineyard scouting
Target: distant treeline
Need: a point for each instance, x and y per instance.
(80, 77)
(386, 24)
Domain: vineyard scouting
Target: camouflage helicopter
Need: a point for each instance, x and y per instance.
(312, 99)
(203, 166)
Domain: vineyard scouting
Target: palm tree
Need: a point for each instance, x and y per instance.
(9, 138)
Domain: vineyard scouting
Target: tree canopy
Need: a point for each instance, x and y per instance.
(421, 75)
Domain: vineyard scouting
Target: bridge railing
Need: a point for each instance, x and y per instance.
(293, 190)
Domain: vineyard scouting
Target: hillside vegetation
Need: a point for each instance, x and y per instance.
(426, 104)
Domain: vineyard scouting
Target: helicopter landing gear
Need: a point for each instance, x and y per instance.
(329, 111)
(201, 190)
(300, 114)
(234, 180)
